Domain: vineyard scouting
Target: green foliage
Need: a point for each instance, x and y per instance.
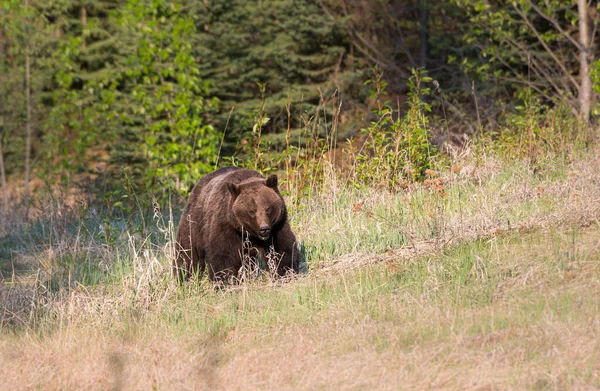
(291, 48)
(523, 43)
(538, 131)
(109, 80)
(166, 102)
(25, 32)
(80, 121)
(595, 73)
(396, 148)
(161, 88)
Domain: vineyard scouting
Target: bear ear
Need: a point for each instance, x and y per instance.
(233, 189)
(272, 181)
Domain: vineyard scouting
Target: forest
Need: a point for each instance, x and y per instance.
(169, 90)
(439, 161)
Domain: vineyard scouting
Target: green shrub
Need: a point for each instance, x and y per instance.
(396, 148)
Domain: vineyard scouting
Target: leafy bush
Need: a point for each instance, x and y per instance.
(396, 149)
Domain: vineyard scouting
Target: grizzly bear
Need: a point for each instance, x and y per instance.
(234, 214)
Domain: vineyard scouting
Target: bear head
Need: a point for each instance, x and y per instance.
(257, 206)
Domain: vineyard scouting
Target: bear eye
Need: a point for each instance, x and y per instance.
(251, 212)
(268, 209)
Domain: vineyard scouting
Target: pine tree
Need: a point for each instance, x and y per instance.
(291, 47)
(84, 79)
(28, 32)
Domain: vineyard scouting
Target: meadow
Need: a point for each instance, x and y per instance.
(483, 276)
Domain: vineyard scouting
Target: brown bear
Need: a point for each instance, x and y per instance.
(231, 213)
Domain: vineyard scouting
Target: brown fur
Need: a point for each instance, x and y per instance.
(222, 205)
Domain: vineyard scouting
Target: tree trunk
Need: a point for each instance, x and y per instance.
(28, 106)
(424, 11)
(2, 170)
(3, 180)
(585, 88)
(83, 25)
(28, 123)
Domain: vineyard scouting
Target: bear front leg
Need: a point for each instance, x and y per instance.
(223, 262)
(189, 256)
(183, 258)
(287, 246)
(197, 265)
(188, 263)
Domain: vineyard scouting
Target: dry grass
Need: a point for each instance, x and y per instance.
(382, 327)
(490, 282)
(477, 197)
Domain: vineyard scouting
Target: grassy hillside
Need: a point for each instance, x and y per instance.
(485, 275)
(515, 311)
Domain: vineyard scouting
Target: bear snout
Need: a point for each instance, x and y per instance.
(264, 232)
